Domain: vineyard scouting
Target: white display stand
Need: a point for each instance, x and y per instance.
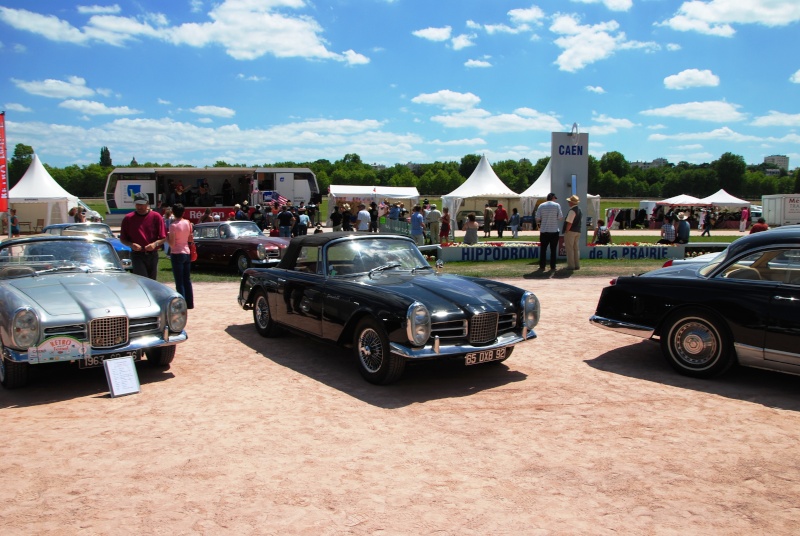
(122, 377)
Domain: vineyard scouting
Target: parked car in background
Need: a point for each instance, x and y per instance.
(742, 307)
(236, 244)
(98, 229)
(68, 298)
(377, 294)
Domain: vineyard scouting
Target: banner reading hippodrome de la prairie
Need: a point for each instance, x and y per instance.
(3, 165)
(506, 253)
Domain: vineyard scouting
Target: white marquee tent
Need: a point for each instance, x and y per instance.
(340, 193)
(683, 200)
(37, 196)
(725, 200)
(541, 187)
(483, 185)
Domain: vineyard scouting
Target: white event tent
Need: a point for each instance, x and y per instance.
(725, 200)
(683, 200)
(347, 193)
(482, 186)
(37, 196)
(541, 187)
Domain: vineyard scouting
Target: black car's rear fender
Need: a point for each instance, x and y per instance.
(691, 309)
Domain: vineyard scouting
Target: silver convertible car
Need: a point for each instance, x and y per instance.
(69, 299)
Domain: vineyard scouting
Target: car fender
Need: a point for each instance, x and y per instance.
(691, 307)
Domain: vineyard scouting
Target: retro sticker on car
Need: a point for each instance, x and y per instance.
(58, 349)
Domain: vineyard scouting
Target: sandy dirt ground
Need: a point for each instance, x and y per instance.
(580, 432)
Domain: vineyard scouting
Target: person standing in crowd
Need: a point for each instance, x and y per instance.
(336, 218)
(514, 222)
(303, 221)
(683, 231)
(759, 226)
(14, 223)
(347, 218)
(168, 218)
(418, 226)
(240, 214)
(363, 218)
(547, 216)
(394, 212)
(80, 215)
(667, 232)
(744, 219)
(143, 231)
(180, 234)
(434, 221)
(471, 229)
(285, 221)
(500, 219)
(373, 217)
(444, 227)
(573, 230)
(706, 223)
(488, 216)
(207, 216)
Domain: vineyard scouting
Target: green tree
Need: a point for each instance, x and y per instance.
(18, 165)
(468, 164)
(730, 170)
(615, 162)
(105, 157)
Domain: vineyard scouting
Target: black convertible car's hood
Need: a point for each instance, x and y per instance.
(443, 292)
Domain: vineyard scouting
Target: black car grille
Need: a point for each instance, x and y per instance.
(108, 332)
(273, 253)
(483, 328)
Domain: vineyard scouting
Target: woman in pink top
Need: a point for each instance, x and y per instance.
(180, 232)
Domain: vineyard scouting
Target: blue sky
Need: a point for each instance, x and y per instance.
(396, 81)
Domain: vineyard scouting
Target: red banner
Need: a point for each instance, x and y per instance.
(3, 165)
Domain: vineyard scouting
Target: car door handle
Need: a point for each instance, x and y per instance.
(281, 280)
(784, 298)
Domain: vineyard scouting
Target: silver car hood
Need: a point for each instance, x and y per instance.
(79, 294)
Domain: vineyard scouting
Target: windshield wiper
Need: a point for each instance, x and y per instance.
(428, 267)
(383, 267)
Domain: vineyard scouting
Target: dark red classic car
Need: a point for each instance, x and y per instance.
(239, 244)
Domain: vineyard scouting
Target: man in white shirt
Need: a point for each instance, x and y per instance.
(363, 218)
(433, 218)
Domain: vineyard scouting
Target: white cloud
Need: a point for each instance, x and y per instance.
(673, 47)
(74, 86)
(463, 41)
(16, 107)
(251, 78)
(434, 34)
(609, 125)
(595, 89)
(96, 108)
(531, 15)
(216, 111)
(470, 141)
(164, 101)
(613, 5)
(587, 44)
(716, 111)
(246, 29)
(720, 134)
(504, 29)
(93, 10)
(691, 78)
(717, 17)
(522, 119)
(480, 64)
(690, 147)
(449, 100)
(795, 77)
(777, 119)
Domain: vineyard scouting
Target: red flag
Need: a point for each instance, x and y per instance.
(3, 165)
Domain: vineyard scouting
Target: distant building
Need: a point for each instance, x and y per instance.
(778, 160)
(772, 172)
(657, 163)
(378, 167)
(134, 163)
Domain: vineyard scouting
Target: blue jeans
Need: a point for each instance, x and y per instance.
(286, 230)
(182, 271)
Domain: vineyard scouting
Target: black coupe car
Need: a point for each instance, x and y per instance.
(378, 294)
(742, 307)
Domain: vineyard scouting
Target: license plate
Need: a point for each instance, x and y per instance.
(474, 358)
(92, 361)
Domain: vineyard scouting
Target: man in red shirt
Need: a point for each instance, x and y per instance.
(144, 232)
(500, 219)
(760, 226)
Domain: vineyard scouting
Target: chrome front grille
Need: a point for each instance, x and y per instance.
(483, 328)
(77, 331)
(506, 322)
(139, 326)
(108, 332)
(451, 329)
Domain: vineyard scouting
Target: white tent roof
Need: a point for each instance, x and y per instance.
(724, 199)
(682, 200)
(541, 186)
(483, 182)
(390, 192)
(37, 185)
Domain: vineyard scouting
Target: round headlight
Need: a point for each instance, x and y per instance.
(25, 328)
(176, 314)
(531, 310)
(261, 251)
(418, 325)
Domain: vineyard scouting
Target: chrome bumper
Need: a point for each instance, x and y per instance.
(448, 350)
(622, 327)
(139, 343)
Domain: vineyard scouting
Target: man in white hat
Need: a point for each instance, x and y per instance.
(683, 230)
(572, 233)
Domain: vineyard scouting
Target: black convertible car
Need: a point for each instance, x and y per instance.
(379, 294)
(741, 307)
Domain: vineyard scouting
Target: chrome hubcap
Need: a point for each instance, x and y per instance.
(370, 350)
(696, 344)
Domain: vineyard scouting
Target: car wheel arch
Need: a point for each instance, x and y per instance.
(346, 336)
(663, 323)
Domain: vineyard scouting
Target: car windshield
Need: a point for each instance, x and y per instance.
(365, 255)
(49, 256)
(244, 228)
(103, 231)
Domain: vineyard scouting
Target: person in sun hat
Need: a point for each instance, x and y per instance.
(573, 230)
(683, 230)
